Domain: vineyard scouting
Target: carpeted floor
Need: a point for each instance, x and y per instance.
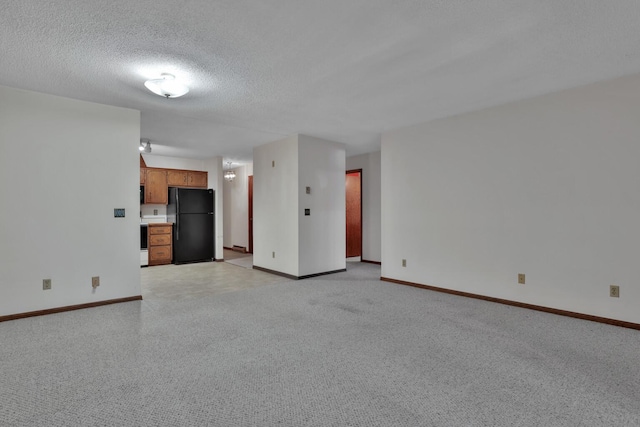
(338, 350)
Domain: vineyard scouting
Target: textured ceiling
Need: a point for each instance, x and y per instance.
(344, 70)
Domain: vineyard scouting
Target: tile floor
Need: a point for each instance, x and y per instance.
(177, 282)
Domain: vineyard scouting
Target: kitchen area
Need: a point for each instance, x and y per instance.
(176, 216)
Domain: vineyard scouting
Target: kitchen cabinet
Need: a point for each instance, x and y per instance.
(156, 187)
(157, 181)
(186, 178)
(160, 244)
(197, 179)
(177, 178)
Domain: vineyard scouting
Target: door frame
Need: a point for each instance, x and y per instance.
(250, 213)
(358, 171)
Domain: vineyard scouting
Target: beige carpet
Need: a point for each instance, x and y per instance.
(339, 350)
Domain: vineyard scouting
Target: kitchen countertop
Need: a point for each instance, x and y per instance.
(153, 219)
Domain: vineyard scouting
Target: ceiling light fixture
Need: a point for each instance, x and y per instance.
(145, 148)
(166, 86)
(229, 175)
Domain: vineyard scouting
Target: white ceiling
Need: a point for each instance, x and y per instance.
(344, 70)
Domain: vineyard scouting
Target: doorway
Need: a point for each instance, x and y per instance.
(353, 191)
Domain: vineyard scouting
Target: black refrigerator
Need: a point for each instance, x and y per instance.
(191, 212)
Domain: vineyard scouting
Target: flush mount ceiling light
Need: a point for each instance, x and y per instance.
(229, 175)
(145, 145)
(166, 86)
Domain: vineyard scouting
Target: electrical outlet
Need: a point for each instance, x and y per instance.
(404, 262)
(273, 163)
(46, 284)
(95, 281)
(521, 279)
(614, 291)
(273, 254)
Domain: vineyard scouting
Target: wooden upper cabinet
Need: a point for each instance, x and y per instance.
(197, 179)
(156, 187)
(176, 178)
(157, 181)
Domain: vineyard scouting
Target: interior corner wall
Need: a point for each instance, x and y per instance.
(213, 166)
(547, 187)
(236, 209)
(322, 234)
(65, 165)
(371, 208)
(275, 206)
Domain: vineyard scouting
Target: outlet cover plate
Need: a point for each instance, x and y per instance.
(614, 291)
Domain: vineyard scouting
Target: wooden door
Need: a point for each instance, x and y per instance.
(250, 210)
(354, 213)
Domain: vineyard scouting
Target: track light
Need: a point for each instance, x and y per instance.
(145, 145)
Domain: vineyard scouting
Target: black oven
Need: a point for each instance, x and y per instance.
(143, 236)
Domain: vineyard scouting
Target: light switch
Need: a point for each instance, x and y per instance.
(118, 213)
(307, 212)
(308, 190)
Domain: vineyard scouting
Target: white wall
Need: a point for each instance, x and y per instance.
(322, 239)
(275, 206)
(547, 187)
(303, 245)
(168, 162)
(236, 208)
(371, 225)
(213, 166)
(65, 165)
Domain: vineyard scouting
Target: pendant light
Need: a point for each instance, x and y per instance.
(229, 175)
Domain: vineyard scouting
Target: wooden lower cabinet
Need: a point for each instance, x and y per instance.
(160, 244)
